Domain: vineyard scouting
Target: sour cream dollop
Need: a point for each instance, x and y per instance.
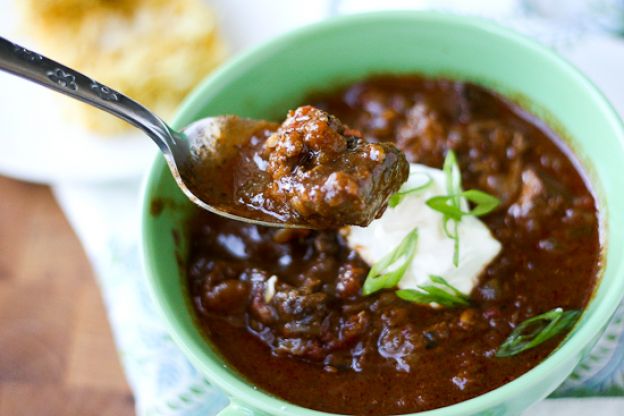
(434, 252)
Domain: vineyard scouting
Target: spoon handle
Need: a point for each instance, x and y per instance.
(32, 66)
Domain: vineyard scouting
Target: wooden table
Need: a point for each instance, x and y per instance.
(56, 350)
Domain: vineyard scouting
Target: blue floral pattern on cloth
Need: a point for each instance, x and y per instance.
(164, 381)
(601, 372)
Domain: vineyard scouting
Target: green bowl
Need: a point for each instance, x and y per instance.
(269, 80)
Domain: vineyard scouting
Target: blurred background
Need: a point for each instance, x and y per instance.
(78, 333)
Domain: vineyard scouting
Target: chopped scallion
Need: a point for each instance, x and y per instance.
(398, 197)
(536, 330)
(387, 272)
(450, 205)
(440, 292)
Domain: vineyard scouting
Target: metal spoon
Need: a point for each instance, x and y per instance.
(201, 142)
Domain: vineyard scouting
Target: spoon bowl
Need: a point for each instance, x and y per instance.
(210, 141)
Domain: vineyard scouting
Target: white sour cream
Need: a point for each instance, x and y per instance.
(434, 252)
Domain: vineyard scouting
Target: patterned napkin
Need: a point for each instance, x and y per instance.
(105, 218)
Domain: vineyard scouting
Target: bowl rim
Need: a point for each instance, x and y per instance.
(241, 391)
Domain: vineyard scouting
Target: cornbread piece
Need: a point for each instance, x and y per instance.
(154, 51)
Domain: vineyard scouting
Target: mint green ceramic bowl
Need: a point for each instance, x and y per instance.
(269, 80)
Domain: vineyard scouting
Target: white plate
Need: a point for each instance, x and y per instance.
(37, 142)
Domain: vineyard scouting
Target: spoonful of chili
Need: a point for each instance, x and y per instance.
(311, 171)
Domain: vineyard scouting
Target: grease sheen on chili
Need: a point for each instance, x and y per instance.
(317, 342)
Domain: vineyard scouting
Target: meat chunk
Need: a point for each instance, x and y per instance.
(349, 280)
(423, 134)
(226, 296)
(401, 345)
(532, 188)
(327, 173)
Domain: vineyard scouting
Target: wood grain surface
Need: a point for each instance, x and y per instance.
(57, 355)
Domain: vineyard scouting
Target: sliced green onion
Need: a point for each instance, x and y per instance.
(444, 204)
(441, 292)
(484, 204)
(536, 330)
(398, 197)
(443, 282)
(453, 174)
(387, 272)
(453, 187)
(450, 205)
(455, 237)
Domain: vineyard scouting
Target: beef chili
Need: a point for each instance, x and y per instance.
(286, 308)
(311, 170)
